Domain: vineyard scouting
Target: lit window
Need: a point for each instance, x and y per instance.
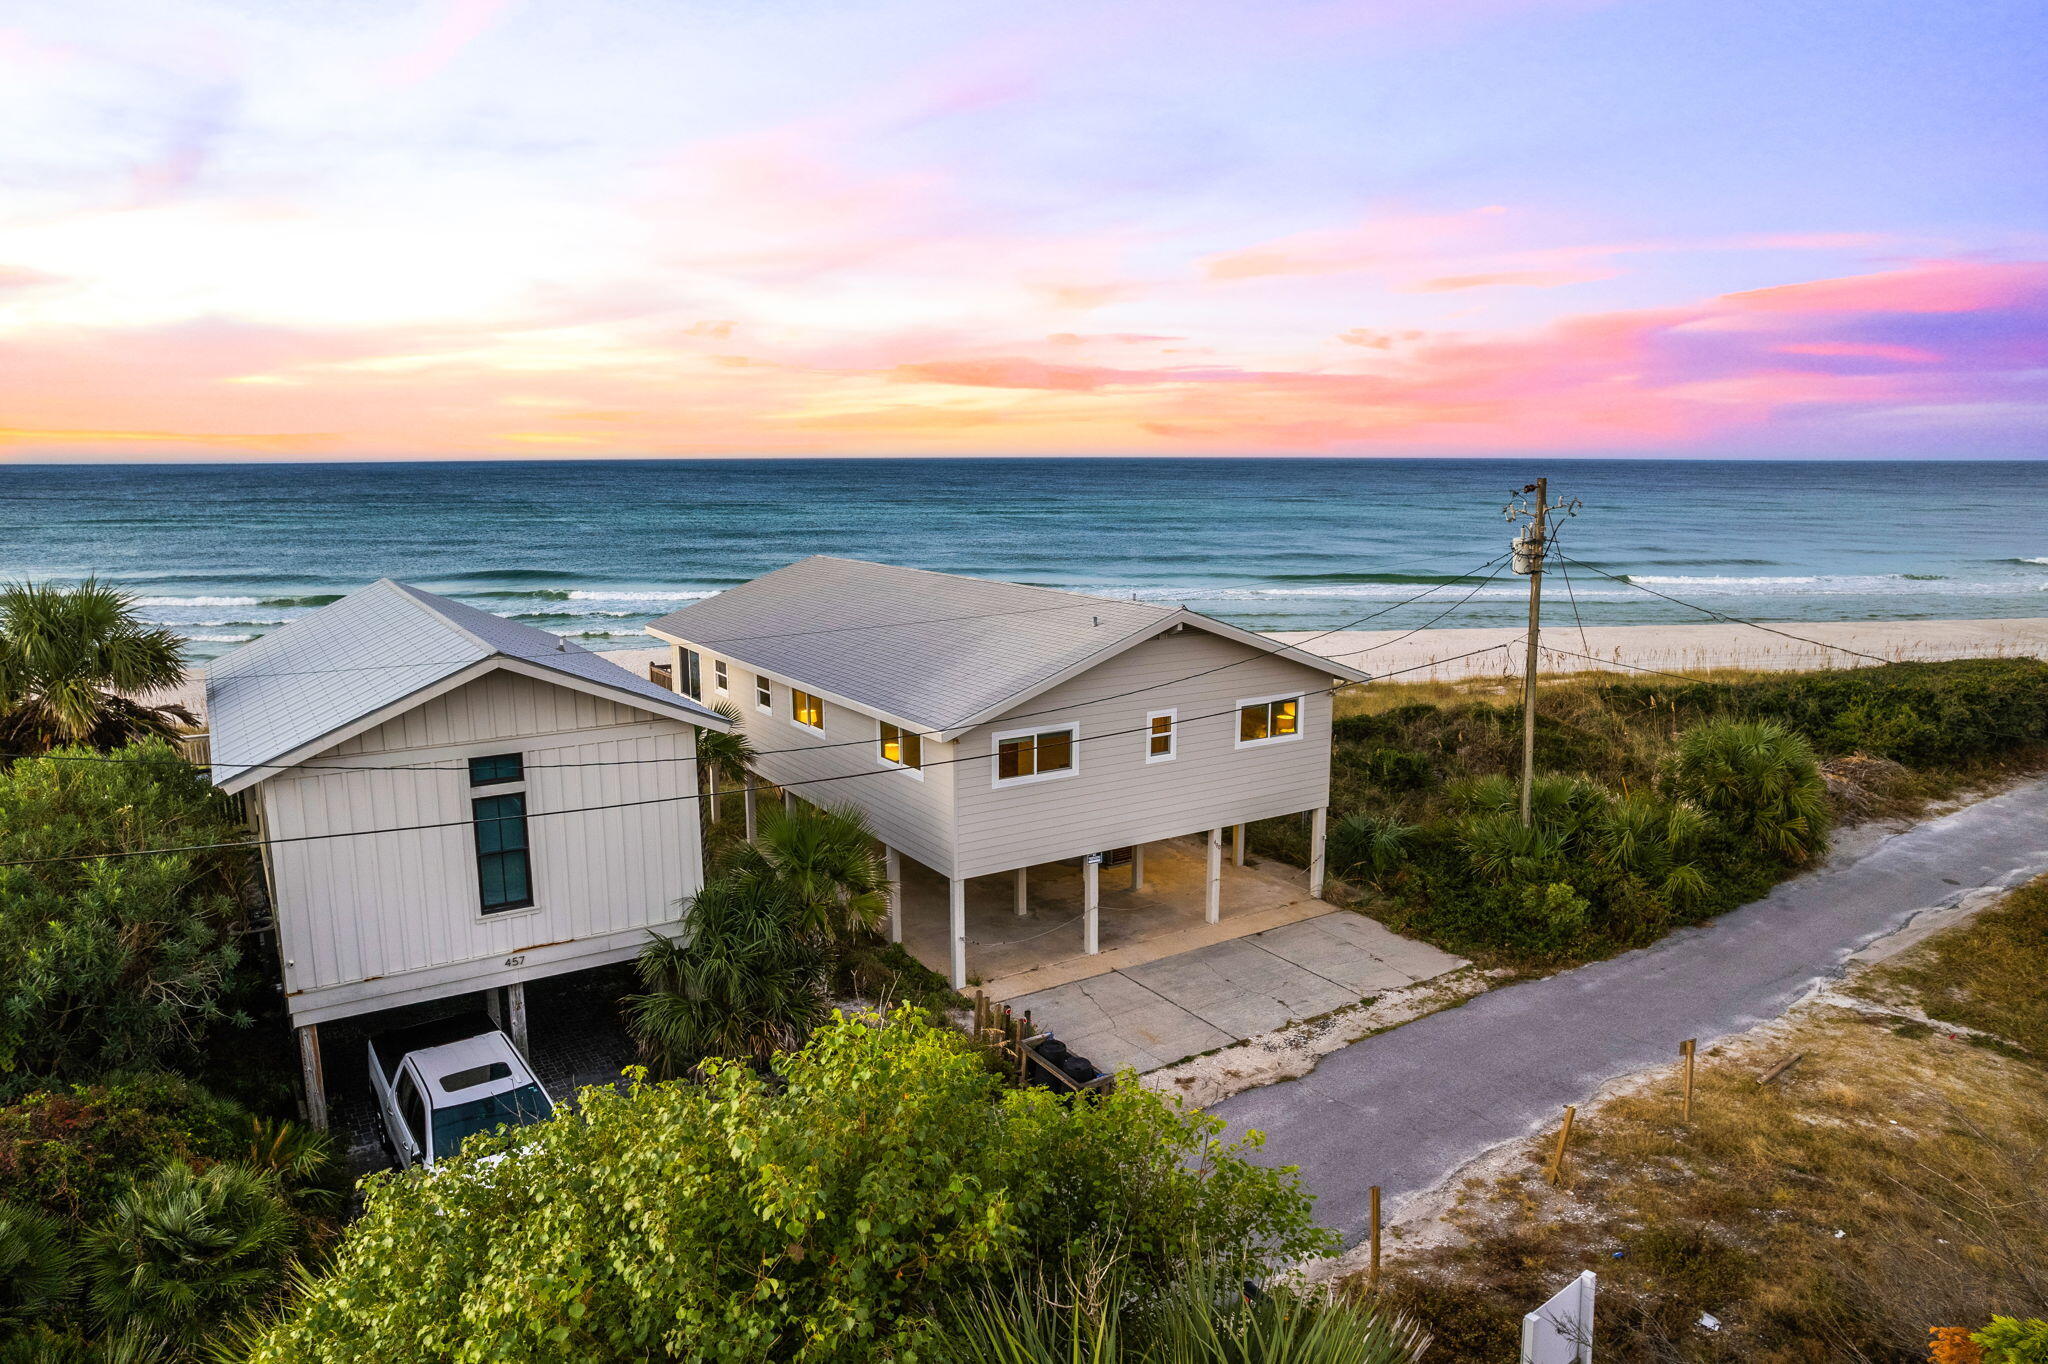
(1266, 721)
(692, 679)
(1159, 736)
(901, 747)
(806, 709)
(764, 695)
(718, 675)
(1046, 753)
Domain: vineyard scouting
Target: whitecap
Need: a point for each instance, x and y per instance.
(639, 596)
(198, 601)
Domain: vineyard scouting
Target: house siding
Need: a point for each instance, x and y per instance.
(362, 922)
(912, 816)
(1117, 798)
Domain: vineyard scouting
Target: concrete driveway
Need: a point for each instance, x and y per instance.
(1404, 1109)
(1149, 1015)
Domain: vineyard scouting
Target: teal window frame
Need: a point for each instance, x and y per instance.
(504, 862)
(497, 768)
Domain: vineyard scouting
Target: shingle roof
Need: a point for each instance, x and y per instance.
(375, 647)
(934, 650)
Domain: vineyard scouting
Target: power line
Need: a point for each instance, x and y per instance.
(651, 800)
(1734, 620)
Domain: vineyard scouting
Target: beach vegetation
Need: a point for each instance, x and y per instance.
(825, 864)
(115, 962)
(74, 665)
(833, 1208)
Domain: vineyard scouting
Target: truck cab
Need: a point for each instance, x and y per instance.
(439, 1083)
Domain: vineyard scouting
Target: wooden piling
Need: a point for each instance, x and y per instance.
(1555, 1172)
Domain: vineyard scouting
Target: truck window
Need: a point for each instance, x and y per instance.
(414, 1110)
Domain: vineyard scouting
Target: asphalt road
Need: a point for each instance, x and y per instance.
(1406, 1108)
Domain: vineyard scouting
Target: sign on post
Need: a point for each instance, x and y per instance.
(1561, 1330)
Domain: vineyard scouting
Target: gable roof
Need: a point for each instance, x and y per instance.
(934, 651)
(355, 658)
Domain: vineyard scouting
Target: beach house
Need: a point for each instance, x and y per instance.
(451, 803)
(988, 728)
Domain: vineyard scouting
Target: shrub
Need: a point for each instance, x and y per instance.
(70, 1151)
(113, 964)
(825, 1212)
(1757, 778)
(37, 1267)
(2008, 1340)
(1369, 845)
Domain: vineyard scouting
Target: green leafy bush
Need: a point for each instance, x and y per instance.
(70, 1151)
(1757, 778)
(38, 1268)
(114, 964)
(2009, 1340)
(825, 1212)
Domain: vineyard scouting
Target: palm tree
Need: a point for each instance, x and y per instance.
(184, 1247)
(1757, 778)
(37, 1268)
(746, 983)
(828, 868)
(72, 662)
(727, 754)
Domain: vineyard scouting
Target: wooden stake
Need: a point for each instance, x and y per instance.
(1372, 1276)
(1685, 1051)
(1775, 1071)
(1556, 1171)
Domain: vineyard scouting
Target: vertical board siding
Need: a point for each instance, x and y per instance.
(360, 909)
(1117, 798)
(912, 816)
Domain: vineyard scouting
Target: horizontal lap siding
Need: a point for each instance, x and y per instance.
(1117, 798)
(355, 909)
(909, 815)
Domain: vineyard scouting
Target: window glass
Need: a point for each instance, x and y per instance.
(1286, 717)
(718, 675)
(514, 1108)
(806, 709)
(413, 1109)
(475, 1075)
(1159, 743)
(499, 767)
(1029, 755)
(1269, 720)
(764, 694)
(502, 866)
(693, 675)
(902, 747)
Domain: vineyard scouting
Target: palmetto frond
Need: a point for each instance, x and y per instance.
(72, 662)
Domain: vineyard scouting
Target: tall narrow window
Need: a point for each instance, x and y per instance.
(806, 709)
(764, 694)
(1032, 755)
(719, 679)
(503, 871)
(1160, 736)
(692, 679)
(901, 748)
(1268, 720)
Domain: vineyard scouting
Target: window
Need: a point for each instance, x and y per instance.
(497, 769)
(692, 679)
(1035, 755)
(900, 747)
(718, 675)
(476, 1075)
(503, 872)
(514, 1108)
(1160, 736)
(1268, 720)
(414, 1110)
(806, 709)
(764, 695)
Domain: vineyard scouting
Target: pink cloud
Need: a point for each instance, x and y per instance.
(1928, 287)
(1519, 279)
(460, 23)
(1378, 241)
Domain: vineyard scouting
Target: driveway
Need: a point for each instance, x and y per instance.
(1406, 1108)
(1150, 1015)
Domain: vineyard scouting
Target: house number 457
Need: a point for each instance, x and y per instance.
(515, 961)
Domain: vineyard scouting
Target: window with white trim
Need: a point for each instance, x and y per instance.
(1036, 754)
(719, 678)
(1268, 720)
(806, 710)
(691, 683)
(1162, 736)
(764, 695)
(899, 747)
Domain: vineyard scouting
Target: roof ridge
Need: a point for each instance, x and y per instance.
(432, 603)
(997, 582)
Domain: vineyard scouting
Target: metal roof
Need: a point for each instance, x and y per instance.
(935, 651)
(372, 649)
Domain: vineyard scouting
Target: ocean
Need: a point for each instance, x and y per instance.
(594, 550)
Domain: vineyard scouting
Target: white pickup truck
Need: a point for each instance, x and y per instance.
(438, 1083)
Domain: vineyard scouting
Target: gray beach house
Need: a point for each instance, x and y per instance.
(985, 728)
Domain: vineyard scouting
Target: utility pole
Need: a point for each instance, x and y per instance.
(1529, 548)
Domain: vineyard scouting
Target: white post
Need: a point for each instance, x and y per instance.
(892, 862)
(1022, 893)
(1237, 845)
(788, 801)
(313, 1076)
(1137, 866)
(1318, 836)
(711, 803)
(1214, 913)
(515, 1011)
(494, 1007)
(1091, 903)
(749, 801)
(957, 897)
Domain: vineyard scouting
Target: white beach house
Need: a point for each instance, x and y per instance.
(451, 803)
(985, 728)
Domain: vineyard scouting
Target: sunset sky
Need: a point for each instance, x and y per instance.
(448, 228)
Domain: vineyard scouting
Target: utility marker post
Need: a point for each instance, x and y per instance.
(1529, 548)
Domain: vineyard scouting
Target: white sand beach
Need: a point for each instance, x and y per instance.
(1442, 655)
